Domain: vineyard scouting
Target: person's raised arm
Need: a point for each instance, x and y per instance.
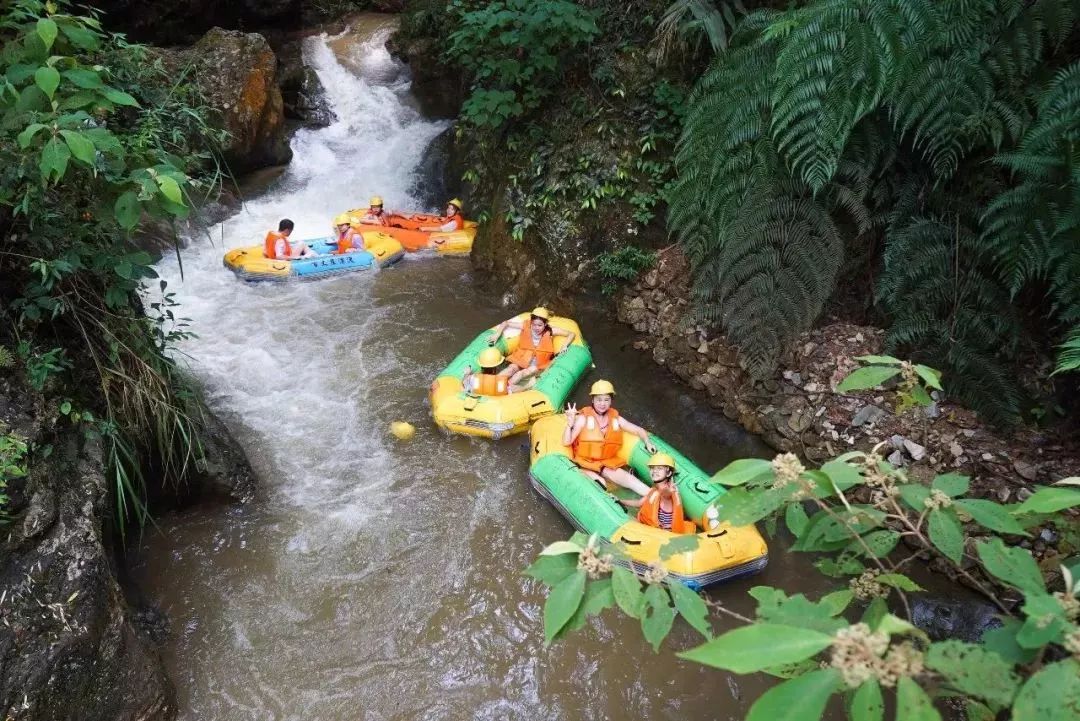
(498, 330)
(563, 333)
(574, 423)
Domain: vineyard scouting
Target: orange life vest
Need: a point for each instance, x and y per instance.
(649, 513)
(594, 445)
(488, 384)
(457, 220)
(544, 352)
(345, 241)
(270, 245)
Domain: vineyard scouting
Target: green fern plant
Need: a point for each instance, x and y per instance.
(1069, 355)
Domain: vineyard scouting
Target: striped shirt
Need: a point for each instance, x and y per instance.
(665, 518)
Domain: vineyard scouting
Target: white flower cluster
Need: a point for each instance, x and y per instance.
(866, 586)
(860, 654)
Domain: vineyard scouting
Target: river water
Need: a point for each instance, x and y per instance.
(370, 578)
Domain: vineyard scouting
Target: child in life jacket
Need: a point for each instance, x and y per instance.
(487, 382)
(595, 437)
(453, 220)
(535, 350)
(276, 245)
(374, 214)
(661, 507)
(348, 240)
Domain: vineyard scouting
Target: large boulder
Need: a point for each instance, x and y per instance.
(182, 21)
(303, 93)
(238, 74)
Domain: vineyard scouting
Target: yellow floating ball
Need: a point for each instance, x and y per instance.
(402, 431)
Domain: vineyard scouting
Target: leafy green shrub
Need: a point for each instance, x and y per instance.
(838, 124)
(515, 50)
(13, 452)
(625, 264)
(98, 136)
(823, 648)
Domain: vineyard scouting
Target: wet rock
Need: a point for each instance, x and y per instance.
(1026, 471)
(238, 74)
(303, 96)
(965, 619)
(1048, 535)
(896, 458)
(914, 450)
(182, 21)
(956, 449)
(867, 415)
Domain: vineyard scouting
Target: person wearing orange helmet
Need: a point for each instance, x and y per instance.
(536, 347)
(595, 436)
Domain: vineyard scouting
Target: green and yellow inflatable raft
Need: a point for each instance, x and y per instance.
(499, 416)
(724, 552)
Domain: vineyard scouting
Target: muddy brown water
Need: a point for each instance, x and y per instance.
(376, 579)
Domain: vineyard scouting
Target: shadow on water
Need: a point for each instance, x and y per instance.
(374, 579)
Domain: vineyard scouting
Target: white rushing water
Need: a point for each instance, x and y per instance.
(255, 363)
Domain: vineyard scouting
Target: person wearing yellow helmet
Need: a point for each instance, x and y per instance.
(487, 382)
(595, 436)
(453, 220)
(348, 240)
(662, 506)
(374, 214)
(535, 349)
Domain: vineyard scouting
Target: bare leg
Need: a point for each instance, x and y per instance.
(622, 478)
(522, 375)
(595, 476)
(509, 370)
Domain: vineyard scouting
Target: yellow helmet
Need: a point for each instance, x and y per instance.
(661, 459)
(342, 219)
(456, 202)
(490, 358)
(602, 388)
(541, 312)
(375, 200)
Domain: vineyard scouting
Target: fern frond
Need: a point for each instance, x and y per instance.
(1069, 353)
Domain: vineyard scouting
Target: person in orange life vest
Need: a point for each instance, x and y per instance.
(453, 220)
(661, 507)
(487, 382)
(595, 434)
(375, 214)
(536, 347)
(276, 245)
(348, 240)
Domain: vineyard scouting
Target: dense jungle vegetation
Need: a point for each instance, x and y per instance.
(910, 162)
(98, 137)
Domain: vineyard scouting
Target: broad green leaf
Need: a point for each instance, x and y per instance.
(657, 616)
(921, 396)
(758, 646)
(802, 698)
(912, 703)
(741, 507)
(1052, 694)
(47, 79)
(691, 607)
(867, 703)
(975, 711)
(880, 543)
(844, 565)
(560, 547)
(843, 475)
(562, 603)
(743, 471)
(170, 189)
(80, 36)
(946, 534)
(898, 581)
(119, 97)
(990, 515)
(868, 377)
(774, 606)
(83, 78)
(598, 596)
(681, 544)
(27, 135)
(975, 671)
(874, 613)
(1011, 565)
(123, 269)
(80, 147)
(796, 519)
(837, 601)
(54, 160)
(952, 484)
(884, 360)
(127, 213)
(47, 31)
(1045, 621)
(550, 570)
(895, 626)
(930, 376)
(1002, 641)
(914, 495)
(1049, 500)
(627, 589)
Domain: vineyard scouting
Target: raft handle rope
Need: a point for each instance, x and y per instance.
(629, 542)
(717, 535)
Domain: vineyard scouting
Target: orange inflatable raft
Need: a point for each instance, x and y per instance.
(405, 228)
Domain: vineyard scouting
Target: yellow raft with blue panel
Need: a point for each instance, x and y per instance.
(723, 552)
(249, 263)
(496, 416)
